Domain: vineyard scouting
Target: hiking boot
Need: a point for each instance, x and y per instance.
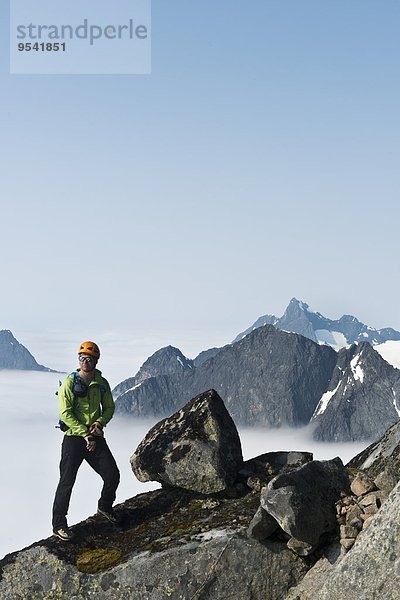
(108, 514)
(63, 533)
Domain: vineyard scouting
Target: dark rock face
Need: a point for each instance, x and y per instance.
(198, 448)
(14, 355)
(361, 402)
(270, 378)
(206, 355)
(273, 378)
(262, 525)
(288, 498)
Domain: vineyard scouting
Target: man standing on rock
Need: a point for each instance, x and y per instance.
(86, 406)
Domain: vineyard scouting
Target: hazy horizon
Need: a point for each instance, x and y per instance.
(257, 162)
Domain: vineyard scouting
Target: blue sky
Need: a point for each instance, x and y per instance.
(258, 161)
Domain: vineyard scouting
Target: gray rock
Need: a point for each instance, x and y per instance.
(300, 548)
(303, 502)
(381, 460)
(348, 531)
(347, 543)
(362, 484)
(197, 448)
(309, 586)
(221, 566)
(387, 480)
(262, 525)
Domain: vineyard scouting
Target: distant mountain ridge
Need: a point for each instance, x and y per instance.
(299, 318)
(13, 355)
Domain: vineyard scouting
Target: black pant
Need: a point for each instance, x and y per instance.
(101, 460)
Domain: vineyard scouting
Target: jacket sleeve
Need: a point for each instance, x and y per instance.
(66, 404)
(107, 405)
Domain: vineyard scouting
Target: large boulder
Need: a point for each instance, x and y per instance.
(197, 448)
(303, 502)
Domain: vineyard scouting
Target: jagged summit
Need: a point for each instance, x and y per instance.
(14, 355)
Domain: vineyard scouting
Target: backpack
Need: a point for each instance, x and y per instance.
(79, 389)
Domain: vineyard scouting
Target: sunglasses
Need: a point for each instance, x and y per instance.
(86, 359)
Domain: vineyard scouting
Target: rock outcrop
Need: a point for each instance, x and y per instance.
(170, 545)
(288, 498)
(198, 448)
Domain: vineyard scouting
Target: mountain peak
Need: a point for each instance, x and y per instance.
(299, 303)
(13, 355)
(341, 333)
(6, 333)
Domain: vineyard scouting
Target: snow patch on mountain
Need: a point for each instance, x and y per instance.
(397, 409)
(132, 388)
(336, 339)
(324, 401)
(390, 351)
(358, 373)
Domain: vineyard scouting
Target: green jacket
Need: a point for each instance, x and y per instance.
(80, 413)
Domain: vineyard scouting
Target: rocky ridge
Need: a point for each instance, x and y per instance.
(180, 544)
(273, 378)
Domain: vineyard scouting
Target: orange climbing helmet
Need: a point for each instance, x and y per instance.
(89, 348)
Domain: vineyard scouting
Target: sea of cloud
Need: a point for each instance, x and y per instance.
(31, 451)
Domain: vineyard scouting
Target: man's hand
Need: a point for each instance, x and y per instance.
(90, 443)
(96, 428)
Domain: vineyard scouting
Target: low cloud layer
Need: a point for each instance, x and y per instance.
(31, 453)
